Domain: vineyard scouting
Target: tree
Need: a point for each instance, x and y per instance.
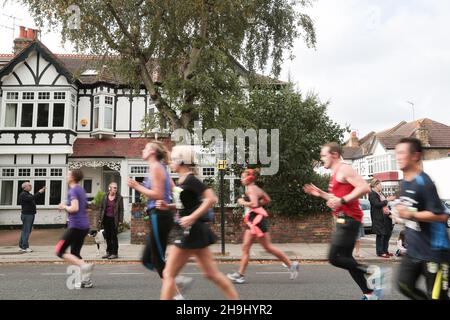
(304, 127)
(185, 52)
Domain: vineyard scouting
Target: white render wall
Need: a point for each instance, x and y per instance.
(439, 172)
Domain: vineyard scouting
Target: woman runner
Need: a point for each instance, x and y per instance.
(257, 224)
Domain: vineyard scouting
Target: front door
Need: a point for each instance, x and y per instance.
(111, 176)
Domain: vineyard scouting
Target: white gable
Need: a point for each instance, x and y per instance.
(30, 72)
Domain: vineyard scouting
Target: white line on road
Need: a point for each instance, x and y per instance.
(272, 272)
(192, 273)
(125, 273)
(53, 274)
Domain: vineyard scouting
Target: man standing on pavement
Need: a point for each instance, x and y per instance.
(28, 203)
(345, 188)
(425, 226)
(111, 214)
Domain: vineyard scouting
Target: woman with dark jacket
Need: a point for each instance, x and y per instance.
(381, 220)
(111, 214)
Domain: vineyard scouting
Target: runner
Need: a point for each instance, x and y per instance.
(425, 227)
(194, 234)
(257, 224)
(345, 188)
(158, 186)
(78, 228)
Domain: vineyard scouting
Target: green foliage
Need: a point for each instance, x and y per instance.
(304, 127)
(98, 198)
(185, 52)
(123, 226)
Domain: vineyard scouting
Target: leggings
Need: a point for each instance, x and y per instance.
(154, 255)
(341, 252)
(73, 238)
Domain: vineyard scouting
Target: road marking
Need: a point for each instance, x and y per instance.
(191, 273)
(125, 273)
(53, 274)
(272, 272)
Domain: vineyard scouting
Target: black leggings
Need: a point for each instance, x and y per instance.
(410, 271)
(161, 222)
(73, 238)
(341, 252)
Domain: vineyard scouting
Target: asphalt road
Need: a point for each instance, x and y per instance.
(133, 282)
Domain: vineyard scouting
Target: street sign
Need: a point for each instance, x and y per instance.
(222, 165)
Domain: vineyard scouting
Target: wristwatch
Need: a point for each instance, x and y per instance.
(448, 222)
(343, 201)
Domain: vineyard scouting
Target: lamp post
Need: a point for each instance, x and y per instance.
(412, 105)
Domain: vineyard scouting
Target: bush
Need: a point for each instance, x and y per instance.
(98, 199)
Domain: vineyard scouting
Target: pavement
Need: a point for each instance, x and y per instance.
(128, 253)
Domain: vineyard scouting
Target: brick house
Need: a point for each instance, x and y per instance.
(373, 156)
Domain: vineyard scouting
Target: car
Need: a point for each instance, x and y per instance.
(367, 219)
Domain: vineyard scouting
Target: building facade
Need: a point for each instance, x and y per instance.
(373, 156)
(52, 121)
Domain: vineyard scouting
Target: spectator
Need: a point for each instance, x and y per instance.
(28, 203)
(111, 214)
(381, 220)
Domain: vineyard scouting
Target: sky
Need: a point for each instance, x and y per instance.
(371, 58)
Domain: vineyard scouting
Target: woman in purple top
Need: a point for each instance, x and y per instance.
(77, 230)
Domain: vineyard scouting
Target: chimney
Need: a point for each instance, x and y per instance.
(26, 36)
(422, 134)
(353, 141)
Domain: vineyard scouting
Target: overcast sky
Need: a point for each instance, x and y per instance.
(372, 56)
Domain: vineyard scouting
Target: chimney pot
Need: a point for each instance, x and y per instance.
(23, 32)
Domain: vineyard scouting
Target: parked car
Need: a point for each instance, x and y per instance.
(367, 219)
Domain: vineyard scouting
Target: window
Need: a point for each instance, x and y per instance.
(44, 95)
(55, 192)
(38, 185)
(24, 172)
(108, 100)
(43, 111)
(87, 185)
(97, 100)
(12, 95)
(27, 115)
(73, 98)
(56, 172)
(108, 118)
(139, 169)
(137, 195)
(59, 95)
(40, 172)
(6, 196)
(28, 95)
(96, 116)
(11, 115)
(8, 172)
(58, 114)
(208, 171)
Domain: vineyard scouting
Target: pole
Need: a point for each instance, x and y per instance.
(222, 210)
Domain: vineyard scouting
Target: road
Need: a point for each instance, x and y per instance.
(133, 282)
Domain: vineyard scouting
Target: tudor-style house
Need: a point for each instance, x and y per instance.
(51, 123)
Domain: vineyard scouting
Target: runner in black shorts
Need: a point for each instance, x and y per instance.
(257, 226)
(195, 236)
(158, 186)
(78, 228)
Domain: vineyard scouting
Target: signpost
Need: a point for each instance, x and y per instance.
(222, 166)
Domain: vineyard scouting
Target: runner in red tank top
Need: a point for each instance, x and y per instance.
(345, 188)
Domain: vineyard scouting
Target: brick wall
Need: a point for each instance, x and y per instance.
(314, 228)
